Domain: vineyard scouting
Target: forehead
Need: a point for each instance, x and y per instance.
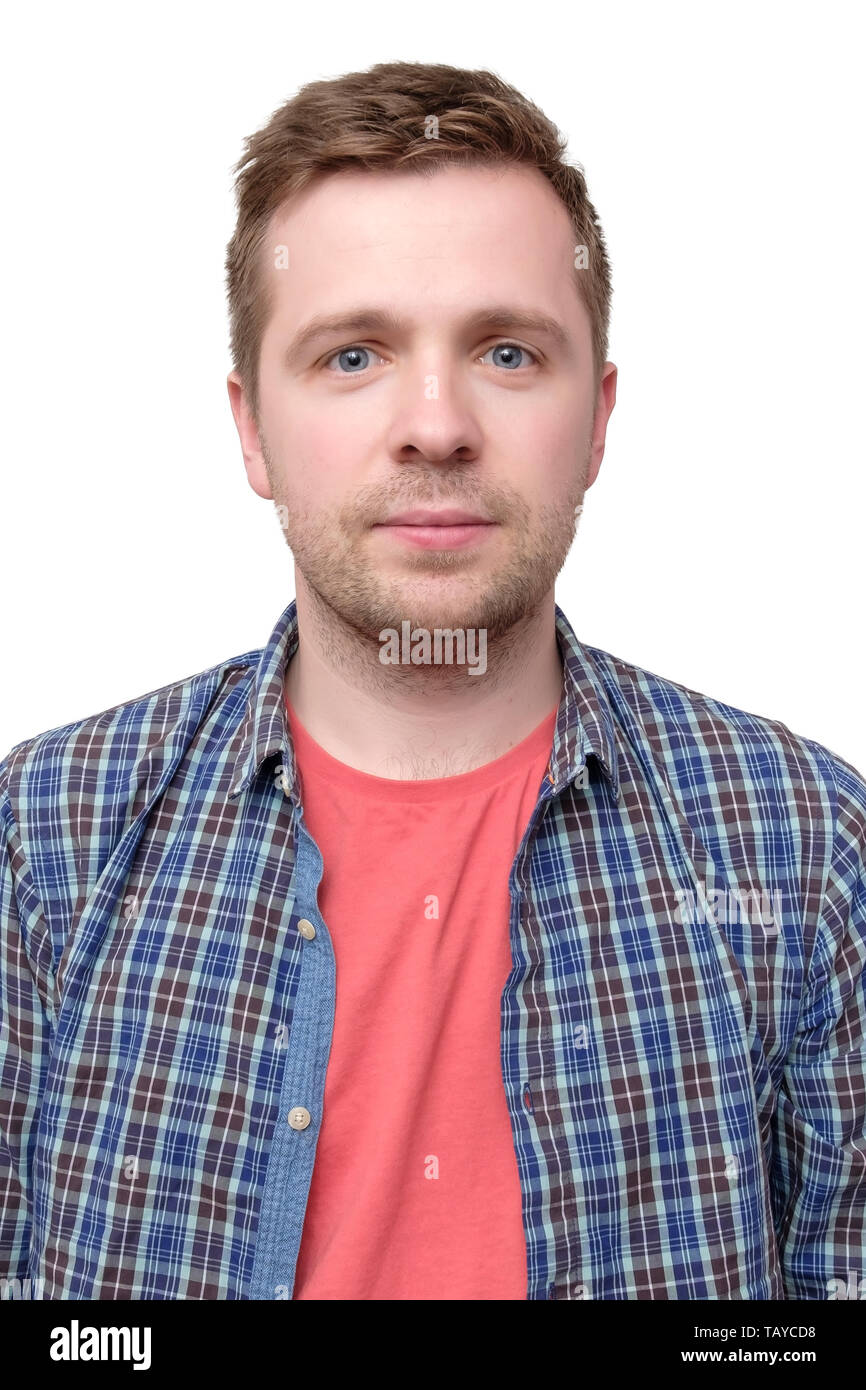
(447, 233)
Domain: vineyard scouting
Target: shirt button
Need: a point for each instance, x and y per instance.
(306, 929)
(299, 1118)
(284, 781)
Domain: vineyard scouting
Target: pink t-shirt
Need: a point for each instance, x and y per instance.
(415, 1192)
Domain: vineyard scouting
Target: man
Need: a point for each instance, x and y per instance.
(426, 952)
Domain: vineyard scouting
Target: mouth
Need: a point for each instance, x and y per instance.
(449, 529)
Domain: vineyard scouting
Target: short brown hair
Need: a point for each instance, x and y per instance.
(377, 120)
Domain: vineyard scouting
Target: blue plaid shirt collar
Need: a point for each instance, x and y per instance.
(584, 722)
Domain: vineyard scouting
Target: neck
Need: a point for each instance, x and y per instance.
(415, 722)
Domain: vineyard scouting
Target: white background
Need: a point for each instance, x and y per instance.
(722, 544)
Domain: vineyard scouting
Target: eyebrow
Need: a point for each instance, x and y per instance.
(364, 320)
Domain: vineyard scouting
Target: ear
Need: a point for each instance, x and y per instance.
(248, 433)
(604, 404)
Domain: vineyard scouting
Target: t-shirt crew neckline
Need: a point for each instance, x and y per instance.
(366, 784)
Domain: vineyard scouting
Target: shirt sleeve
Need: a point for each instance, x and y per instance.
(819, 1170)
(25, 1035)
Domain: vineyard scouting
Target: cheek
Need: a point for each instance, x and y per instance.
(544, 465)
(551, 437)
(315, 488)
(327, 441)
(313, 454)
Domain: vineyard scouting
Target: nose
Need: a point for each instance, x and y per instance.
(435, 419)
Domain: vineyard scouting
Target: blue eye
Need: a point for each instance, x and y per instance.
(511, 348)
(357, 368)
(353, 352)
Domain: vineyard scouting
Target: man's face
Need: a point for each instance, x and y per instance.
(442, 408)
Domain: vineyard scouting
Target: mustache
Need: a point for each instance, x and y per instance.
(371, 507)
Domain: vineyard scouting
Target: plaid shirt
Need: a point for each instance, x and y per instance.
(682, 1032)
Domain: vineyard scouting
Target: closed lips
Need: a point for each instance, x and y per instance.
(450, 517)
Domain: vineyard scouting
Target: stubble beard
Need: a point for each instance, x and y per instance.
(435, 589)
